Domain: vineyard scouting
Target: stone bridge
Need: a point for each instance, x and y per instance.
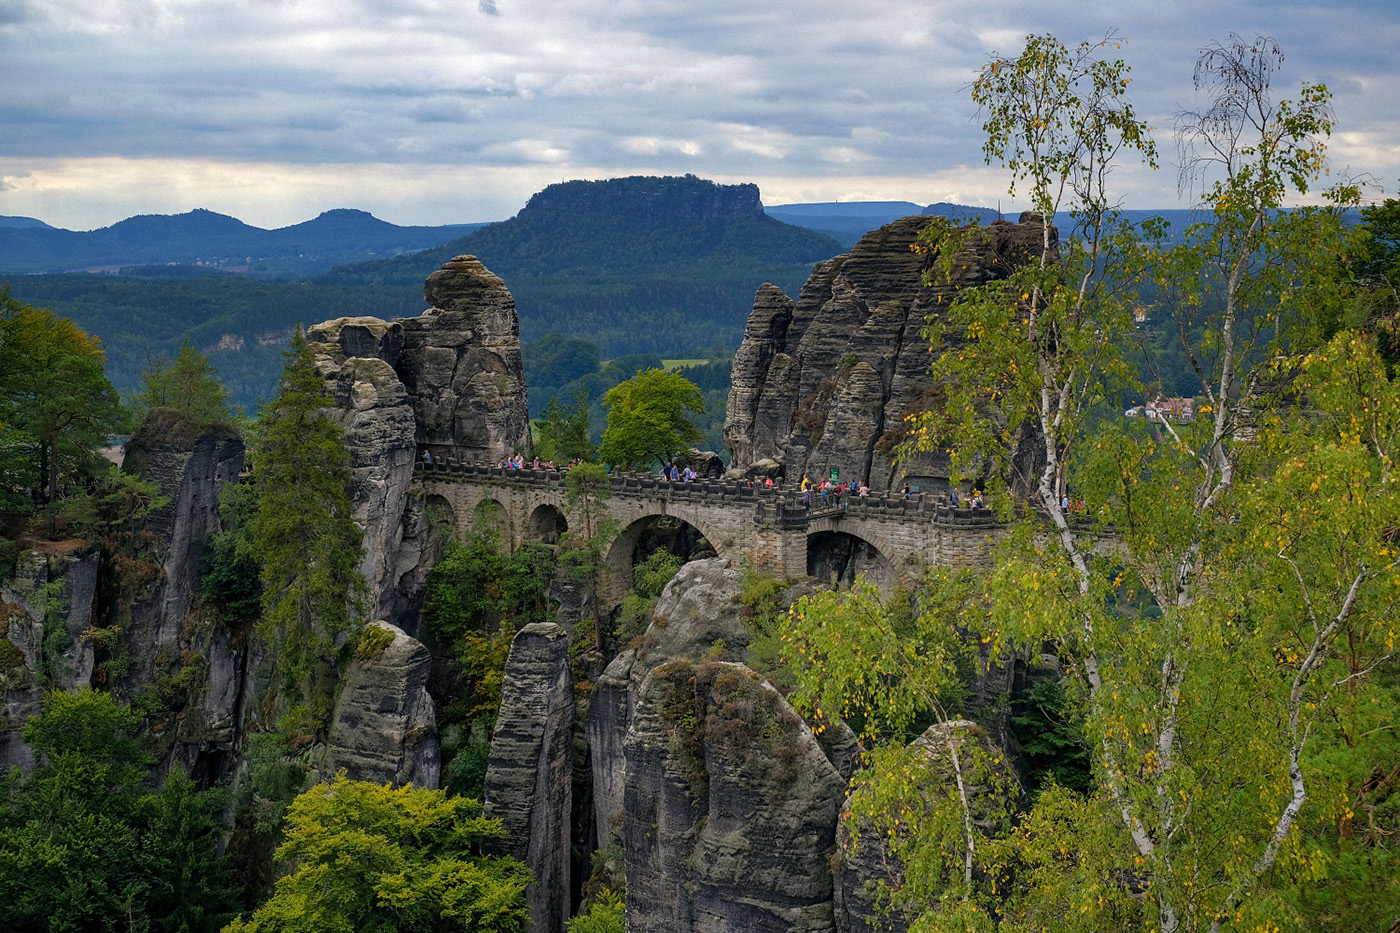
(889, 539)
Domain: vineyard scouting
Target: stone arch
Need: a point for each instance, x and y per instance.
(839, 556)
(546, 524)
(619, 557)
(492, 514)
(440, 516)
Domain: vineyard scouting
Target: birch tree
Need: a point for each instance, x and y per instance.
(1222, 603)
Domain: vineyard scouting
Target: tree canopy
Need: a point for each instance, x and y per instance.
(56, 406)
(86, 845)
(647, 418)
(1219, 592)
(368, 857)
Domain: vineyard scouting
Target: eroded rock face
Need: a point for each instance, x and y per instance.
(449, 382)
(724, 800)
(699, 607)
(461, 364)
(377, 415)
(164, 635)
(731, 807)
(529, 775)
(384, 728)
(992, 791)
(43, 616)
(827, 381)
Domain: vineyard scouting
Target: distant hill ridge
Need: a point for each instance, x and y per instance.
(622, 227)
(210, 238)
(660, 265)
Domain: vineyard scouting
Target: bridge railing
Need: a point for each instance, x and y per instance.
(783, 502)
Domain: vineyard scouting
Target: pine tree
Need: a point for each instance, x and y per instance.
(305, 536)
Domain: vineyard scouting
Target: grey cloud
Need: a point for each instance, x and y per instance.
(15, 12)
(403, 81)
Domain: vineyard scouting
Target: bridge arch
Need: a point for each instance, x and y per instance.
(547, 523)
(621, 551)
(839, 556)
(490, 514)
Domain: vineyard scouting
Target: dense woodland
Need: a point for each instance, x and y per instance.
(1220, 750)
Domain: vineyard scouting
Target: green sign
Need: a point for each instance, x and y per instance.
(835, 474)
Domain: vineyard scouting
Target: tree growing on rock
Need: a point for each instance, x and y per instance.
(306, 538)
(185, 385)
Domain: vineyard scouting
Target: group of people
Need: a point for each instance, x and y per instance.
(518, 462)
(827, 488)
(678, 474)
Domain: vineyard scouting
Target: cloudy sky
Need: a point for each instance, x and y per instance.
(450, 111)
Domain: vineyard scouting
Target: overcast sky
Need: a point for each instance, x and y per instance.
(436, 112)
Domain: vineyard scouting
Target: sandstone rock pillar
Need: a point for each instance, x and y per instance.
(530, 772)
(385, 727)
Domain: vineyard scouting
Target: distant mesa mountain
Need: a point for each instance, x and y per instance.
(659, 265)
(624, 228)
(208, 239)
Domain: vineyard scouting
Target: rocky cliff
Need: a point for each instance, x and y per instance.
(449, 381)
(186, 669)
(165, 640)
(44, 611)
(826, 381)
(730, 804)
(529, 775)
(384, 728)
(724, 800)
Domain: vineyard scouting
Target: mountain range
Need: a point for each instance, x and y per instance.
(202, 239)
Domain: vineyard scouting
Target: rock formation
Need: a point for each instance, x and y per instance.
(730, 807)
(43, 614)
(162, 634)
(384, 728)
(725, 801)
(529, 774)
(826, 381)
(698, 609)
(449, 381)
